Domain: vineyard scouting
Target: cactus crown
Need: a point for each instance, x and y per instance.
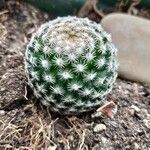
(70, 64)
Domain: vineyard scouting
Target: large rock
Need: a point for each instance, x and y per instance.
(131, 35)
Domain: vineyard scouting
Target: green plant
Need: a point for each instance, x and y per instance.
(70, 64)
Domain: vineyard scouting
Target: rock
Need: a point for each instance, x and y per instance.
(136, 146)
(106, 144)
(131, 112)
(99, 127)
(96, 147)
(135, 108)
(2, 112)
(52, 147)
(146, 123)
(109, 109)
(12, 87)
(131, 36)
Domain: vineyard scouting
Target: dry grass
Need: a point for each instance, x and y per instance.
(40, 131)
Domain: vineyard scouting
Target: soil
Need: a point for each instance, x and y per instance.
(27, 125)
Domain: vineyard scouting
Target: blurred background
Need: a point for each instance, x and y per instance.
(26, 125)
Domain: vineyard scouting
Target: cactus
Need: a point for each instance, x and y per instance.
(70, 64)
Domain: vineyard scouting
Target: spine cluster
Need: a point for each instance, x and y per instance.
(70, 64)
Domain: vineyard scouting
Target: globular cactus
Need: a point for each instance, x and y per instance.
(70, 64)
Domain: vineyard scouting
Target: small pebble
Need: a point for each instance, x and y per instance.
(2, 89)
(2, 112)
(135, 108)
(52, 147)
(131, 112)
(104, 140)
(136, 146)
(96, 114)
(146, 123)
(99, 127)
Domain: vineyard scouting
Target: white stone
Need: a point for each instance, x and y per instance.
(2, 112)
(99, 127)
(52, 147)
(131, 35)
(147, 123)
(136, 146)
(135, 108)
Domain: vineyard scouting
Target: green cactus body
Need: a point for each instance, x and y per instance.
(70, 64)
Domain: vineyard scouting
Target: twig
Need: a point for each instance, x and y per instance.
(89, 6)
(82, 140)
(133, 4)
(3, 12)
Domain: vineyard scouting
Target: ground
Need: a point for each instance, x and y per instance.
(26, 125)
